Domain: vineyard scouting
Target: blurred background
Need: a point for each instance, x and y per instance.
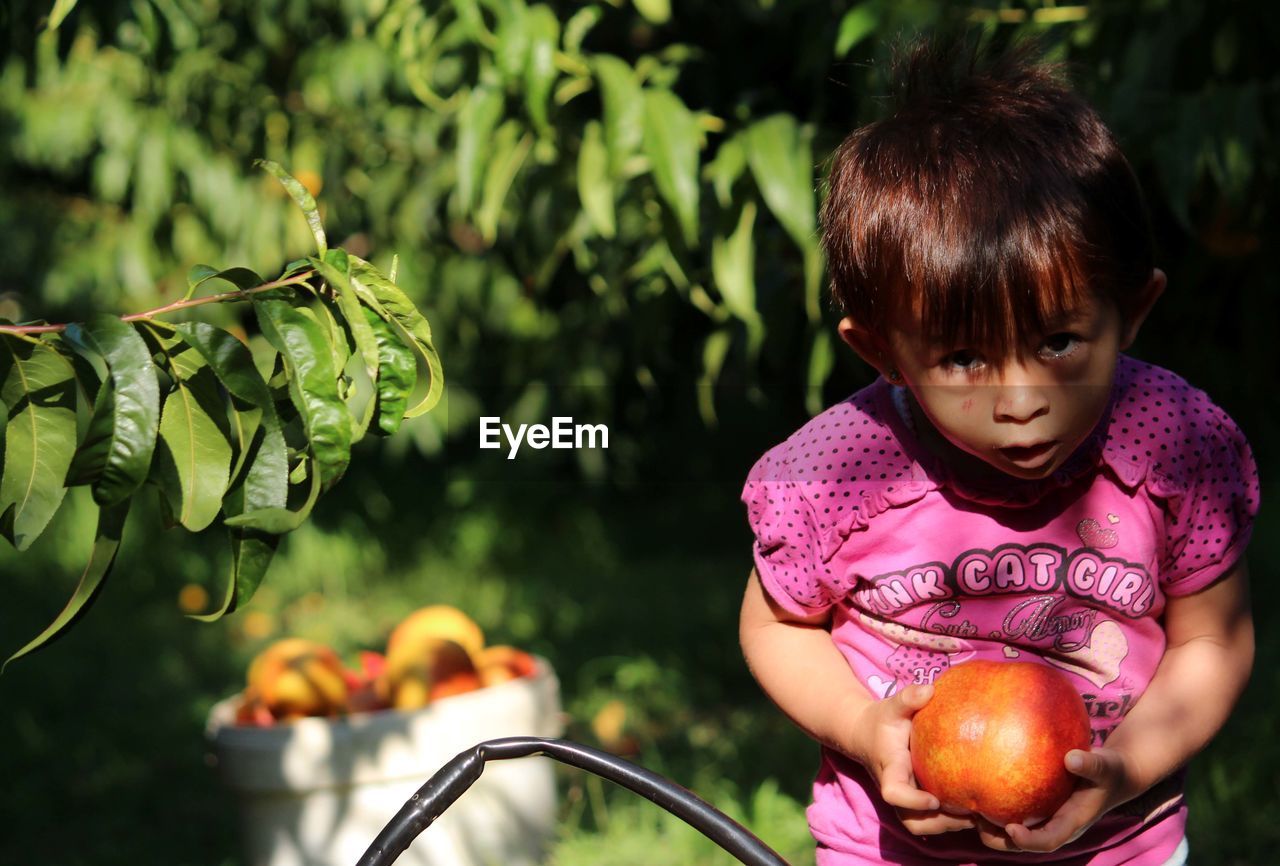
(606, 211)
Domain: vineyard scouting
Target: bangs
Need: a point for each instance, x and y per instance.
(990, 202)
(987, 287)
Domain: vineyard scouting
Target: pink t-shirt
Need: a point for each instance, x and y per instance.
(921, 572)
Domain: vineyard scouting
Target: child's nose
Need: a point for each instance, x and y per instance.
(1020, 397)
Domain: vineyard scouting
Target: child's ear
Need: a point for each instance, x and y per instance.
(870, 347)
(1146, 299)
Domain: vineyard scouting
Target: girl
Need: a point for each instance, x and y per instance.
(1011, 487)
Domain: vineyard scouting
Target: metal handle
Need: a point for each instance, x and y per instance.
(455, 777)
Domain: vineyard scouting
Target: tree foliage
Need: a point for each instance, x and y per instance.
(598, 194)
(116, 403)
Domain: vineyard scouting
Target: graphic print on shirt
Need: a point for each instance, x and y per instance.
(1099, 660)
(1088, 575)
(1094, 534)
(920, 656)
(1040, 580)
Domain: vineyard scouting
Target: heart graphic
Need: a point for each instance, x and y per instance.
(1011, 653)
(881, 687)
(1092, 534)
(1112, 519)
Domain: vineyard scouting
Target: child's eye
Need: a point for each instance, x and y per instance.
(1059, 345)
(965, 360)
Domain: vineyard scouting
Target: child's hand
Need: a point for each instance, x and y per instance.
(1102, 778)
(883, 736)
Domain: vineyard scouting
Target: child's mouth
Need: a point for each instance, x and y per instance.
(1028, 455)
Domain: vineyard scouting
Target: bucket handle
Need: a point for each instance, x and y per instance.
(451, 780)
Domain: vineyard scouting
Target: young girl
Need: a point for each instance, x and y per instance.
(1011, 487)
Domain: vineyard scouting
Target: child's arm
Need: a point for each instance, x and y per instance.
(1204, 669)
(801, 670)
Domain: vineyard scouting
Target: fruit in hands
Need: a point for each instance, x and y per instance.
(993, 739)
(293, 677)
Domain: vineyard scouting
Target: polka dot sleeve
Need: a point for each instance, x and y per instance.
(1215, 516)
(788, 549)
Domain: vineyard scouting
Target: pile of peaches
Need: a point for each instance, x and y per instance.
(433, 653)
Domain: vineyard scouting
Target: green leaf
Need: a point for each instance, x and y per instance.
(813, 282)
(194, 453)
(61, 9)
(38, 393)
(595, 186)
(856, 25)
(579, 25)
(714, 351)
(265, 482)
(244, 421)
(86, 375)
(256, 518)
(241, 278)
(469, 16)
(733, 261)
(540, 72)
(724, 170)
(313, 386)
(301, 197)
(335, 337)
(115, 455)
(623, 109)
(508, 156)
(397, 373)
(781, 161)
(394, 306)
(111, 519)
(512, 50)
(654, 11)
(822, 359)
(339, 277)
(279, 520)
(672, 141)
(296, 266)
(477, 120)
(251, 555)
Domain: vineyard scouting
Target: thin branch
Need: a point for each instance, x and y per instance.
(237, 295)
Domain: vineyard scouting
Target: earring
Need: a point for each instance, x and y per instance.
(894, 376)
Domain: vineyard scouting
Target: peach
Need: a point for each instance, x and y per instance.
(417, 672)
(499, 664)
(294, 677)
(433, 622)
(993, 738)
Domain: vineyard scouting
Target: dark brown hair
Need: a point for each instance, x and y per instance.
(990, 199)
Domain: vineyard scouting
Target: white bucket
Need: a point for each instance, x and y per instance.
(317, 791)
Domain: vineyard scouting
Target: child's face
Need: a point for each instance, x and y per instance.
(1022, 415)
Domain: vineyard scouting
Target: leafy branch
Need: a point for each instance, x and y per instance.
(184, 304)
(119, 403)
